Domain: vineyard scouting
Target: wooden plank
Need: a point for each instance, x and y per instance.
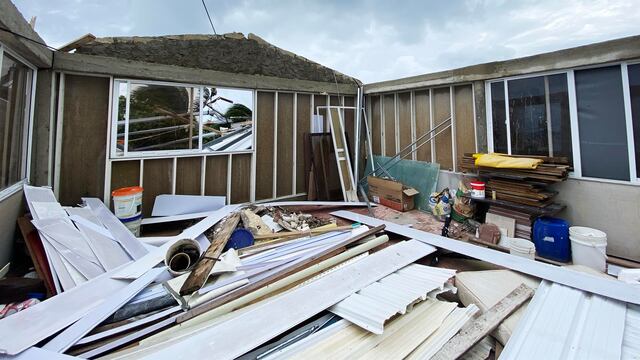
(465, 133)
(215, 180)
(423, 123)
(441, 112)
(158, 175)
(342, 156)
(284, 170)
(404, 120)
(241, 178)
(37, 254)
(349, 125)
(74, 44)
(265, 122)
(376, 123)
(199, 275)
(390, 135)
(303, 127)
(188, 174)
(473, 332)
(84, 139)
(124, 174)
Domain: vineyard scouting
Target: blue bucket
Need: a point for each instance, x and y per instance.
(551, 237)
(240, 238)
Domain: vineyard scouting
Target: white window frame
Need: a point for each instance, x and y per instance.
(167, 153)
(573, 118)
(27, 130)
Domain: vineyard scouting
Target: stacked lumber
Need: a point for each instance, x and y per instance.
(524, 220)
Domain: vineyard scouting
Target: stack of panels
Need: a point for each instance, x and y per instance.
(524, 221)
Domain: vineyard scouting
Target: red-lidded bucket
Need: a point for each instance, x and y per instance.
(477, 189)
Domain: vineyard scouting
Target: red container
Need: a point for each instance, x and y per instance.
(477, 189)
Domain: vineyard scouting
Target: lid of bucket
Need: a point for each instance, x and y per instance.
(587, 232)
(127, 191)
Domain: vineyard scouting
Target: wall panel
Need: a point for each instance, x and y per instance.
(158, 177)
(302, 129)
(84, 141)
(423, 123)
(376, 124)
(465, 133)
(240, 178)
(441, 112)
(404, 120)
(349, 126)
(389, 125)
(264, 145)
(284, 162)
(215, 181)
(320, 100)
(124, 174)
(188, 175)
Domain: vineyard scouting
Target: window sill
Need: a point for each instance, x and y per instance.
(11, 190)
(139, 156)
(634, 182)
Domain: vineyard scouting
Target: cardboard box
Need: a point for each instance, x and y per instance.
(391, 193)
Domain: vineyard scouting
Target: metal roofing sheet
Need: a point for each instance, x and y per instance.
(631, 338)
(370, 307)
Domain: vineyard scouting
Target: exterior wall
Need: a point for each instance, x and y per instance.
(10, 209)
(40, 148)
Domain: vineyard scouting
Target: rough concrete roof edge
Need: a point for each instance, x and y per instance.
(204, 37)
(12, 19)
(501, 68)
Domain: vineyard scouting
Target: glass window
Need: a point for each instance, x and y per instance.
(158, 118)
(528, 116)
(499, 119)
(15, 97)
(634, 89)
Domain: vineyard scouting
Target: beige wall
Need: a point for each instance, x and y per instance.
(10, 209)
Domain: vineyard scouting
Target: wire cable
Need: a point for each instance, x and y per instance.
(27, 38)
(209, 16)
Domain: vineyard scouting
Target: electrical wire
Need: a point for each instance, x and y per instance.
(27, 38)
(209, 16)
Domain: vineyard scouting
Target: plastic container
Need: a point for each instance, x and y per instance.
(589, 247)
(133, 224)
(127, 206)
(551, 237)
(240, 238)
(522, 247)
(477, 189)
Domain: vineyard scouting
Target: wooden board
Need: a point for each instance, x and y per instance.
(441, 112)
(284, 162)
(158, 175)
(376, 124)
(215, 181)
(404, 120)
(465, 133)
(124, 174)
(333, 101)
(84, 138)
(240, 178)
(265, 121)
(349, 125)
(188, 176)
(389, 125)
(423, 123)
(303, 127)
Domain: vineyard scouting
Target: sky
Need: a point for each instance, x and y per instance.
(369, 40)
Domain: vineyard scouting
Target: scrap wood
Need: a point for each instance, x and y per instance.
(254, 223)
(473, 332)
(289, 234)
(37, 254)
(221, 234)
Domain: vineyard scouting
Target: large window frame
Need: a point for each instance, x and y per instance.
(27, 130)
(131, 155)
(573, 116)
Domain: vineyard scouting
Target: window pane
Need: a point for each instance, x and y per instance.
(601, 122)
(528, 116)
(227, 116)
(560, 119)
(163, 118)
(15, 90)
(634, 87)
(498, 117)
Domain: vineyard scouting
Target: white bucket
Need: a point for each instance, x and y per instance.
(133, 224)
(588, 247)
(127, 202)
(522, 247)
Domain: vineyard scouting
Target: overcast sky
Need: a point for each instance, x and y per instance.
(370, 40)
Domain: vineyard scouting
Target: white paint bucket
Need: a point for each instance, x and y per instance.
(522, 247)
(588, 247)
(133, 224)
(127, 206)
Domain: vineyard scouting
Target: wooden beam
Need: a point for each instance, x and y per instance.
(290, 234)
(200, 274)
(93, 64)
(473, 332)
(74, 44)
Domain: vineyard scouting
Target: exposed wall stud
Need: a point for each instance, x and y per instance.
(412, 107)
(627, 111)
(431, 122)
(573, 118)
(275, 146)
(229, 170)
(295, 143)
(452, 113)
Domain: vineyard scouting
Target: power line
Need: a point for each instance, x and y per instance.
(209, 16)
(29, 39)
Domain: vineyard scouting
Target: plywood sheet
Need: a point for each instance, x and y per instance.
(404, 120)
(265, 119)
(302, 127)
(284, 162)
(441, 112)
(158, 177)
(84, 138)
(188, 179)
(389, 125)
(215, 181)
(124, 174)
(376, 124)
(240, 178)
(465, 133)
(423, 123)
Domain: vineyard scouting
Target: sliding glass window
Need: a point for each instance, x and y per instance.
(634, 90)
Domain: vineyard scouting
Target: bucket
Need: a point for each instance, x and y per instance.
(551, 237)
(127, 206)
(477, 189)
(589, 247)
(522, 247)
(133, 224)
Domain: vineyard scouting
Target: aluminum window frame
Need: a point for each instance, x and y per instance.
(573, 117)
(27, 131)
(132, 155)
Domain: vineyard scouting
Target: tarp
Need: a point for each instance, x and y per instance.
(500, 161)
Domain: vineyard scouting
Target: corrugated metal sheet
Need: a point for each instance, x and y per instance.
(565, 323)
(370, 307)
(631, 338)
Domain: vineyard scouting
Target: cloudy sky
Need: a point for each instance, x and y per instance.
(370, 40)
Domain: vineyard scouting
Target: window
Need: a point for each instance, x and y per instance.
(634, 90)
(15, 104)
(155, 119)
